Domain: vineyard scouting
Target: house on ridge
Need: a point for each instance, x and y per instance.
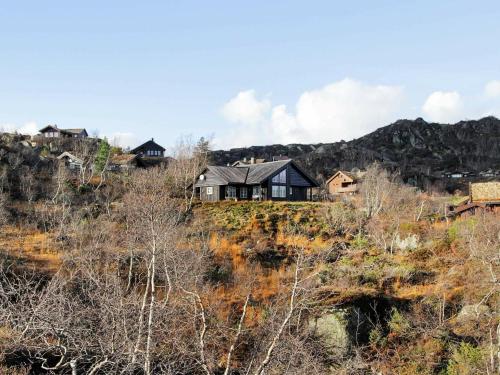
(149, 149)
(52, 131)
(279, 180)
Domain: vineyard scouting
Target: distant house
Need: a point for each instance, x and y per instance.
(279, 180)
(280, 157)
(52, 131)
(247, 161)
(344, 182)
(455, 174)
(71, 161)
(149, 149)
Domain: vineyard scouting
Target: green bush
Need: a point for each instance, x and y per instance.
(398, 323)
(466, 360)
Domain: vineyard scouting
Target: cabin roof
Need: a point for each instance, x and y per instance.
(151, 144)
(75, 131)
(351, 175)
(123, 159)
(234, 175)
(66, 154)
(257, 173)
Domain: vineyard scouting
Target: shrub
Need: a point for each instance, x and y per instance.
(398, 323)
(466, 360)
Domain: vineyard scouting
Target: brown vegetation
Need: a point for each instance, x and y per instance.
(133, 276)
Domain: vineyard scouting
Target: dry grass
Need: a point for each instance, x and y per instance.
(30, 248)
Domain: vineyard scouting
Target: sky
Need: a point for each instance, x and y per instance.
(245, 73)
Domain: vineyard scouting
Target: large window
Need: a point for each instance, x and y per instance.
(256, 192)
(278, 191)
(230, 192)
(243, 192)
(280, 178)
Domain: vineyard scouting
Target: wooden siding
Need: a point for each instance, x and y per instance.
(214, 197)
(296, 179)
(335, 184)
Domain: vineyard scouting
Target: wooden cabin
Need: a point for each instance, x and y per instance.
(71, 161)
(52, 131)
(149, 149)
(344, 182)
(483, 196)
(279, 181)
(123, 163)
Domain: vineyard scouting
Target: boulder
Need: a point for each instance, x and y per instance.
(338, 328)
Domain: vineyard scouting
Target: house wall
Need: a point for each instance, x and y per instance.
(335, 185)
(214, 197)
(294, 180)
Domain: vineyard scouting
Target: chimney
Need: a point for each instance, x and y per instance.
(152, 139)
(252, 160)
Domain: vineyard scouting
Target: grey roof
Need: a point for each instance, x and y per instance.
(68, 155)
(74, 131)
(245, 174)
(259, 172)
(232, 175)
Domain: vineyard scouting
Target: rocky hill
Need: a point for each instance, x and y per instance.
(423, 152)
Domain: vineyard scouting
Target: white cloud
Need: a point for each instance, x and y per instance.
(29, 128)
(443, 106)
(123, 139)
(342, 110)
(245, 108)
(492, 89)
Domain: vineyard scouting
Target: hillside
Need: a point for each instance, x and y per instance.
(421, 151)
(131, 276)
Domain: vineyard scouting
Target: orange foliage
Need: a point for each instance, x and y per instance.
(35, 249)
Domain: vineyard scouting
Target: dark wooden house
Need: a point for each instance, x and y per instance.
(52, 131)
(280, 180)
(149, 149)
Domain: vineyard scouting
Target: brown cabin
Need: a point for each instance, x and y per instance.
(344, 182)
(483, 196)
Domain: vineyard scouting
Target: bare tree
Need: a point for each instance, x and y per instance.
(189, 161)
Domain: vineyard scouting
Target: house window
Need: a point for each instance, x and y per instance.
(291, 190)
(256, 192)
(230, 192)
(280, 178)
(278, 191)
(243, 192)
(210, 190)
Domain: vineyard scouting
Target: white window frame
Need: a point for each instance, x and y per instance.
(278, 191)
(231, 192)
(243, 189)
(280, 178)
(210, 190)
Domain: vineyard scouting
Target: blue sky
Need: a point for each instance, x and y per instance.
(245, 72)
